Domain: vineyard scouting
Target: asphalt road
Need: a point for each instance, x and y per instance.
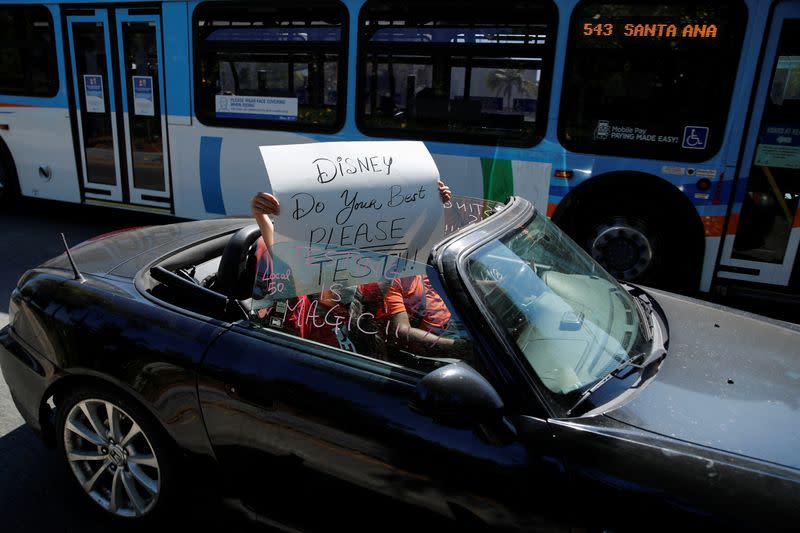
(35, 492)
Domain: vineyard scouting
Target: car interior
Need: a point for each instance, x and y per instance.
(215, 278)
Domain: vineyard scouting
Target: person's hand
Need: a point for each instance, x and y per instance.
(264, 203)
(444, 192)
(462, 348)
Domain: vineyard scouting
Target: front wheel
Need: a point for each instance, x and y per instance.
(117, 455)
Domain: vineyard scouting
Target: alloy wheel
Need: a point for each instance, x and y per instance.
(112, 458)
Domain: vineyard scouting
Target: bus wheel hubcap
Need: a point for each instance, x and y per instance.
(623, 249)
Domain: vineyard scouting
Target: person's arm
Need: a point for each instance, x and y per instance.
(419, 340)
(414, 339)
(399, 322)
(262, 205)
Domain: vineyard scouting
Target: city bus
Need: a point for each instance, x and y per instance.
(663, 137)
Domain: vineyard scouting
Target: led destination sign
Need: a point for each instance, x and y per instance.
(689, 31)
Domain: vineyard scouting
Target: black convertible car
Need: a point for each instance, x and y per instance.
(554, 397)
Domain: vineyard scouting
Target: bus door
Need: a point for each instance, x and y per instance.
(761, 244)
(118, 106)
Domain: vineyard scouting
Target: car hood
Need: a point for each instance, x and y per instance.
(731, 381)
(124, 253)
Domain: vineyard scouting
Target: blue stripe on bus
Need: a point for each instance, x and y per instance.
(210, 184)
(177, 59)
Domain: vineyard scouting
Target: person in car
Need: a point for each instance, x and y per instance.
(415, 315)
(418, 319)
(322, 318)
(319, 317)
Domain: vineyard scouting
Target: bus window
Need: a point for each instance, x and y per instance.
(27, 51)
(270, 66)
(654, 81)
(455, 71)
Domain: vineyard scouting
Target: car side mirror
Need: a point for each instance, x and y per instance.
(457, 394)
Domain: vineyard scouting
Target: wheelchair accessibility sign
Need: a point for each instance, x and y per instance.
(695, 137)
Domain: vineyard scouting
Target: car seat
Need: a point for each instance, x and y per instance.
(237, 267)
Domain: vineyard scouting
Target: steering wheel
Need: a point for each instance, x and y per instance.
(523, 272)
(480, 272)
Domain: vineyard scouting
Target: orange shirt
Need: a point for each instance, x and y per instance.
(406, 295)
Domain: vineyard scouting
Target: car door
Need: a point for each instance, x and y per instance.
(280, 406)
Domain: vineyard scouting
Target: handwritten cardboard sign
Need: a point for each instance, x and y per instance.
(380, 198)
(295, 269)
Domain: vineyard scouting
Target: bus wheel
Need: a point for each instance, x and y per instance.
(627, 247)
(631, 242)
(641, 229)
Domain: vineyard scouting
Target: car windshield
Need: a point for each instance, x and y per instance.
(572, 322)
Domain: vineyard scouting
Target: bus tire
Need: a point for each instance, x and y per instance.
(9, 187)
(655, 245)
(628, 243)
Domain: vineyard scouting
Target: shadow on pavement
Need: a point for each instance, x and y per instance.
(37, 494)
(34, 489)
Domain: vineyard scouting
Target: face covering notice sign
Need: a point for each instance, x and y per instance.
(256, 107)
(93, 93)
(143, 96)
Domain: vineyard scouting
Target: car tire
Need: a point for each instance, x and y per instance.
(116, 454)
